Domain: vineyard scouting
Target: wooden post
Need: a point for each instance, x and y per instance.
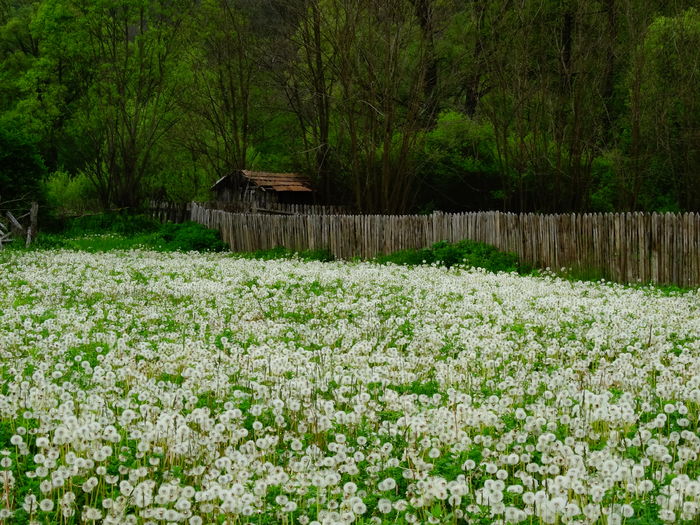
(33, 222)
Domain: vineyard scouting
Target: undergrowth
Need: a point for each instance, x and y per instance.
(121, 231)
(465, 253)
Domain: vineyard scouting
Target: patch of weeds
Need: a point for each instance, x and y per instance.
(518, 328)
(24, 300)
(597, 446)
(175, 379)
(449, 466)
(645, 513)
(190, 236)
(449, 351)
(280, 252)
(93, 298)
(86, 352)
(427, 388)
(389, 415)
(616, 394)
(139, 277)
(6, 431)
(475, 455)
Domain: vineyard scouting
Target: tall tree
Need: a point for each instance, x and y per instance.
(131, 101)
(670, 106)
(224, 57)
(383, 62)
(305, 70)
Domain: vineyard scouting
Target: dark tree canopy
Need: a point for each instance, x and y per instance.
(21, 168)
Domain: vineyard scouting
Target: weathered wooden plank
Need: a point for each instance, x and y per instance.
(14, 222)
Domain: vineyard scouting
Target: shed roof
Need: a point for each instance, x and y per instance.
(272, 181)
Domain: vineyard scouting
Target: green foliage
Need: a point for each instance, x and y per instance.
(408, 257)
(190, 236)
(583, 273)
(476, 107)
(21, 166)
(70, 194)
(122, 231)
(180, 181)
(418, 388)
(670, 112)
(606, 195)
(460, 156)
(466, 252)
(119, 223)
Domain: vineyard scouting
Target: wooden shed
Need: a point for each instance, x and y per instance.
(258, 189)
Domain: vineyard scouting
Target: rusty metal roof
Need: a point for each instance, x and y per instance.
(278, 181)
(273, 181)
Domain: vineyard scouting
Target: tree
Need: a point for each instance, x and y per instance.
(529, 106)
(130, 104)
(383, 62)
(224, 59)
(304, 68)
(670, 107)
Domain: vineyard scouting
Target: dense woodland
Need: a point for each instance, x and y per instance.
(389, 105)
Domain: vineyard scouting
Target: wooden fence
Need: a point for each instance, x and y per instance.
(627, 247)
(22, 227)
(178, 212)
(278, 208)
(170, 211)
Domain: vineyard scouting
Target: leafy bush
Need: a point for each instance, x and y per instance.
(468, 253)
(99, 242)
(407, 257)
(190, 236)
(70, 194)
(48, 241)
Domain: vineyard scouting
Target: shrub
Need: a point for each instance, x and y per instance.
(190, 236)
(468, 253)
(48, 242)
(70, 194)
(475, 254)
(408, 257)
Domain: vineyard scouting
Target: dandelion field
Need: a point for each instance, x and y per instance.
(143, 387)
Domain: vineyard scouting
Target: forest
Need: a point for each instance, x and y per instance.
(390, 106)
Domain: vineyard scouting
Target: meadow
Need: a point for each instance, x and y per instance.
(145, 387)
